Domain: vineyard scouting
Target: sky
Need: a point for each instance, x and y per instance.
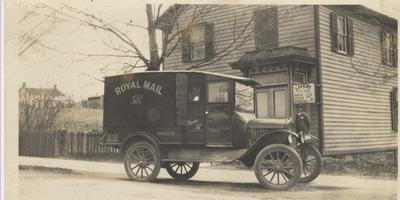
(57, 61)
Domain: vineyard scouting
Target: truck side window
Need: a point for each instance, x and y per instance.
(218, 92)
(194, 93)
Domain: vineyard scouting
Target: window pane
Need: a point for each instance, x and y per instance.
(244, 98)
(280, 105)
(299, 77)
(198, 51)
(218, 92)
(262, 105)
(197, 43)
(194, 93)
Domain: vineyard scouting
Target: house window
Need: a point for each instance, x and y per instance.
(266, 28)
(394, 107)
(389, 49)
(280, 104)
(272, 103)
(198, 42)
(342, 34)
(299, 77)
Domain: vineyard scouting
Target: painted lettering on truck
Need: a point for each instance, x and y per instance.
(147, 85)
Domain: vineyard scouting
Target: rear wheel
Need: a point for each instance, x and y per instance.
(277, 167)
(182, 171)
(142, 162)
(312, 163)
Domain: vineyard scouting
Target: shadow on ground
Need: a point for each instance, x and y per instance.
(240, 187)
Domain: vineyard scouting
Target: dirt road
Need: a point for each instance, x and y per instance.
(208, 183)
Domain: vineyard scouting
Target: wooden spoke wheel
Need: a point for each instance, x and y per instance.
(312, 162)
(278, 167)
(142, 162)
(182, 171)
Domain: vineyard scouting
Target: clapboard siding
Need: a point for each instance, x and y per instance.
(356, 107)
(295, 27)
(294, 24)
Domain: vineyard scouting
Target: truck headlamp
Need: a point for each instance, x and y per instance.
(290, 139)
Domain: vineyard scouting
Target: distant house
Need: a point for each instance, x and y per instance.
(32, 96)
(84, 103)
(95, 102)
(38, 107)
(340, 61)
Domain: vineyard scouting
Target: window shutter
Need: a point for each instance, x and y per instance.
(383, 49)
(394, 108)
(334, 32)
(266, 28)
(209, 39)
(350, 39)
(395, 50)
(186, 46)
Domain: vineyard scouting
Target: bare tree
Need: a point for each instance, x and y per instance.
(381, 71)
(119, 41)
(38, 108)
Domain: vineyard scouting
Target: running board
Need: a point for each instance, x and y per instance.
(203, 155)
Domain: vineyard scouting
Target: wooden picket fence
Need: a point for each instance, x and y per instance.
(56, 143)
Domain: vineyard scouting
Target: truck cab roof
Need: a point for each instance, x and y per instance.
(242, 80)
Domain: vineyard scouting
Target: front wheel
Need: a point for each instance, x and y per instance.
(277, 167)
(142, 162)
(312, 162)
(182, 171)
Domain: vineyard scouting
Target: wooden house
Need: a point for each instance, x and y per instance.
(340, 61)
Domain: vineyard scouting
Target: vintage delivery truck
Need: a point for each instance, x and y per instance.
(178, 119)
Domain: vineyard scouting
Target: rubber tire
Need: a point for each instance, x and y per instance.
(182, 177)
(157, 160)
(283, 148)
(318, 160)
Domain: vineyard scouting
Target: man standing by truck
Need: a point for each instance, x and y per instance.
(302, 121)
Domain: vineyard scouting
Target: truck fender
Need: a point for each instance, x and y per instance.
(140, 135)
(285, 131)
(280, 136)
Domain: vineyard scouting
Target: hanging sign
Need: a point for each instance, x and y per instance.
(304, 93)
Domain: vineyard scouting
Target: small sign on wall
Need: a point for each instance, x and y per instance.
(304, 93)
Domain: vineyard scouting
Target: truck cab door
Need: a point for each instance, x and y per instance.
(219, 111)
(194, 131)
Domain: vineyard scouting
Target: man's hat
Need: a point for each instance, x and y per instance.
(298, 106)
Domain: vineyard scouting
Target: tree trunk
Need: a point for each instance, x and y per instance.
(154, 57)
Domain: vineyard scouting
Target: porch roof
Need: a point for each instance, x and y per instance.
(287, 54)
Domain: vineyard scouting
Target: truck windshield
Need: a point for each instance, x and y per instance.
(244, 98)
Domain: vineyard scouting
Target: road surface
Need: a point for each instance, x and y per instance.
(209, 183)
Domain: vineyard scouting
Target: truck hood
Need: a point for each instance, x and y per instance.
(244, 117)
(269, 123)
(252, 122)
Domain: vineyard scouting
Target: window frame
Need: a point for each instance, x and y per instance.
(208, 92)
(389, 54)
(200, 43)
(285, 95)
(342, 34)
(206, 43)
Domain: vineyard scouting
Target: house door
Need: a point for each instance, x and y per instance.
(272, 103)
(219, 114)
